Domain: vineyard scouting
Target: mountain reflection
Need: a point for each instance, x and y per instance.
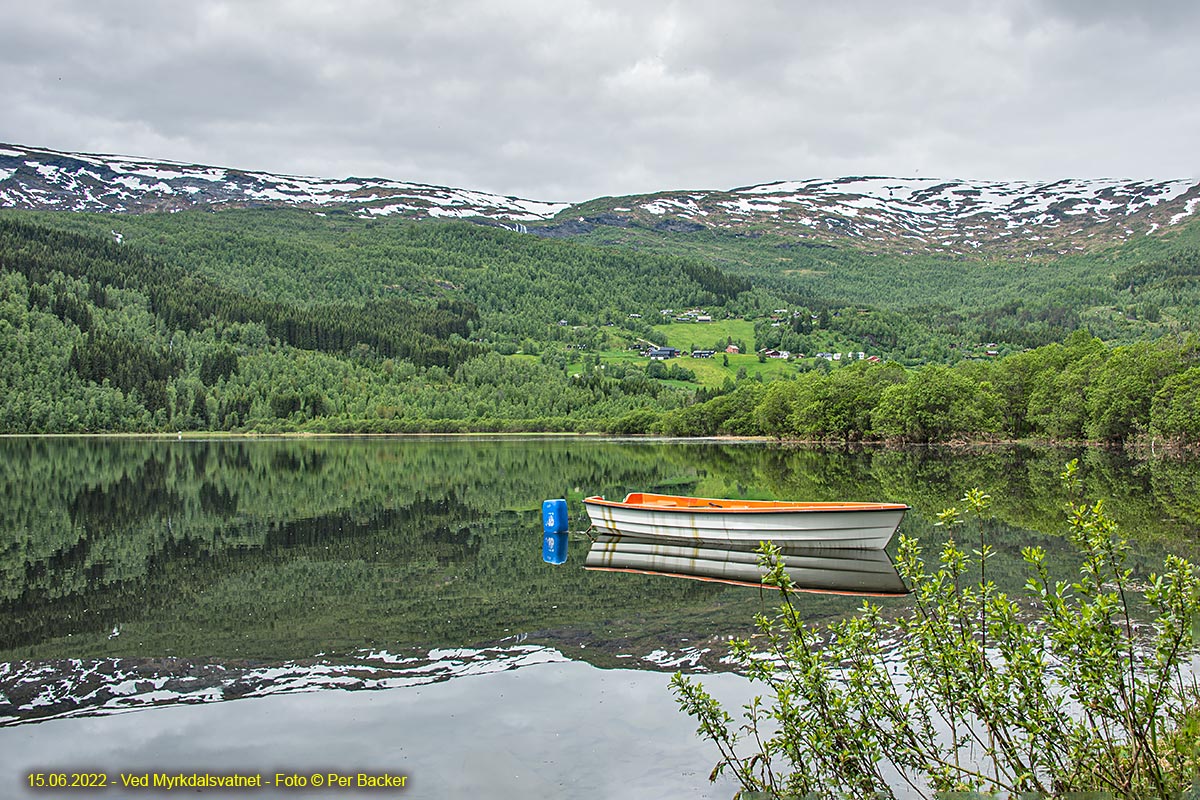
(134, 571)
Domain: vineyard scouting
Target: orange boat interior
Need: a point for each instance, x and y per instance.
(668, 501)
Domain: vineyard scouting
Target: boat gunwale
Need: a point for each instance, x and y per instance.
(753, 507)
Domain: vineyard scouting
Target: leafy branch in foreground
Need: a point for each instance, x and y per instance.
(1065, 689)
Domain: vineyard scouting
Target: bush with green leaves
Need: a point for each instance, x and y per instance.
(1074, 686)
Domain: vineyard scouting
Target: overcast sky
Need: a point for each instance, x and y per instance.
(568, 100)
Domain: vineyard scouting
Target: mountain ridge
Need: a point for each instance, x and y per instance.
(866, 212)
(41, 179)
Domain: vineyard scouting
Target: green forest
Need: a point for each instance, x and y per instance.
(1079, 390)
(269, 320)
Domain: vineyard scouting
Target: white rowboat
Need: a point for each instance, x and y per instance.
(703, 519)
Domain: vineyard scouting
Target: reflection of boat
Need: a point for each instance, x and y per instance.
(702, 519)
(812, 569)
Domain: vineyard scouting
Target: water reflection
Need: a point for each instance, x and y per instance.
(160, 563)
(32, 691)
(819, 570)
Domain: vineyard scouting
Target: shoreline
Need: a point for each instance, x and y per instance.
(633, 437)
(1137, 448)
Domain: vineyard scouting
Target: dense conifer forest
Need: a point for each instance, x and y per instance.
(273, 320)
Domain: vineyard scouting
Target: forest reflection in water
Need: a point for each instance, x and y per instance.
(230, 568)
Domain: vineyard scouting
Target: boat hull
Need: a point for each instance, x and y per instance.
(846, 525)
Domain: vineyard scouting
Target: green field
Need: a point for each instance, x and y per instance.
(704, 335)
(710, 372)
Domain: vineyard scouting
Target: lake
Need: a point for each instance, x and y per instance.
(380, 605)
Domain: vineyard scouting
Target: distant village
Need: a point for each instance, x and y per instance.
(778, 317)
(656, 353)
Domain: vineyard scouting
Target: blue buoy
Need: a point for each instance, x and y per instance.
(554, 531)
(554, 516)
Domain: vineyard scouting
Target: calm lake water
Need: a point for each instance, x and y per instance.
(381, 606)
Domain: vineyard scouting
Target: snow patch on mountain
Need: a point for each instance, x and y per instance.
(962, 215)
(686, 206)
(1188, 210)
(47, 179)
(949, 216)
(960, 199)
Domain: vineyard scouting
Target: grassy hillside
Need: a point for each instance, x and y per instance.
(689, 336)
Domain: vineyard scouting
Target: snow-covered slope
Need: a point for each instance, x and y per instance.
(906, 214)
(929, 213)
(35, 178)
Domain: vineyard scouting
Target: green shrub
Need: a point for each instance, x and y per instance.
(1055, 692)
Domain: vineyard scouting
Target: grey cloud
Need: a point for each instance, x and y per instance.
(1170, 18)
(569, 101)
